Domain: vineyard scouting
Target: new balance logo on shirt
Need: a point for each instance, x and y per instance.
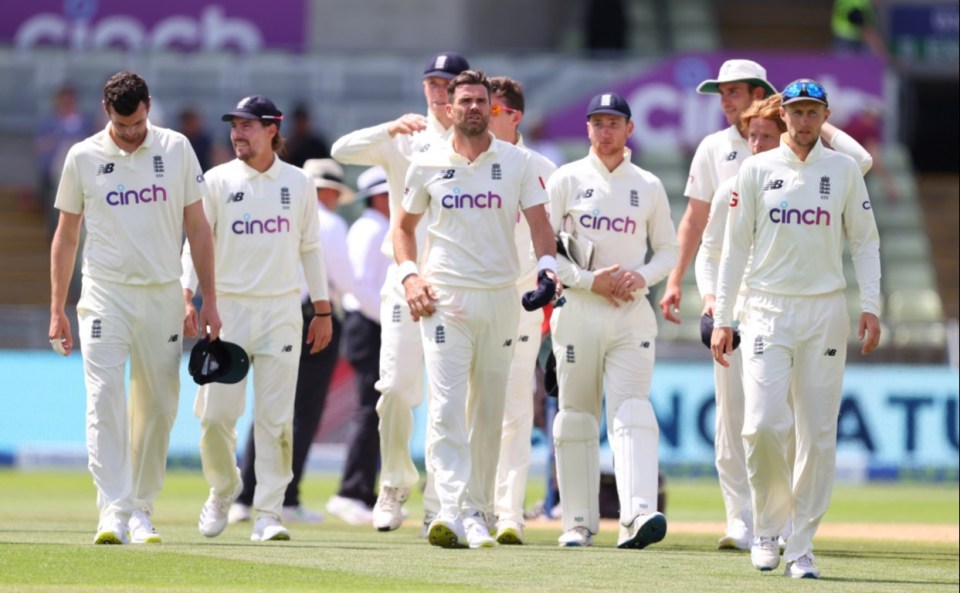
(447, 174)
(105, 169)
(173, 338)
(773, 184)
(235, 197)
(732, 156)
(508, 343)
(830, 352)
(287, 348)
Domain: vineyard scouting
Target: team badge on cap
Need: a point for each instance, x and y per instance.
(217, 362)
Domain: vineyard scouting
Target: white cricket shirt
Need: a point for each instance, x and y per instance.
(369, 264)
(708, 258)
(264, 228)
(794, 215)
(132, 204)
(472, 211)
(618, 210)
(374, 146)
(717, 159)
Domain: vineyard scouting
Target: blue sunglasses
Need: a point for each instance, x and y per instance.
(806, 88)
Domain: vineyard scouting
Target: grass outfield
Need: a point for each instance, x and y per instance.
(47, 522)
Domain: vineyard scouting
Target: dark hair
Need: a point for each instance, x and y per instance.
(508, 89)
(467, 77)
(125, 91)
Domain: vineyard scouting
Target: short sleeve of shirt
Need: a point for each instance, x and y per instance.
(194, 186)
(415, 196)
(700, 181)
(70, 191)
(533, 188)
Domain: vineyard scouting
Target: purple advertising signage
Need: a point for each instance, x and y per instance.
(668, 113)
(242, 26)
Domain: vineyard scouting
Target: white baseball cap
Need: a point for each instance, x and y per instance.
(328, 173)
(738, 71)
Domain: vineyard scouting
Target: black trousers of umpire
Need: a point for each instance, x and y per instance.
(361, 338)
(313, 383)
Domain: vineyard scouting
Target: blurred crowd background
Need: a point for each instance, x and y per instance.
(891, 67)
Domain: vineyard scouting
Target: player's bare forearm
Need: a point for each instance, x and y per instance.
(63, 253)
(201, 245)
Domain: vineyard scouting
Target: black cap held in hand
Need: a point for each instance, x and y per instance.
(541, 297)
(217, 361)
(706, 331)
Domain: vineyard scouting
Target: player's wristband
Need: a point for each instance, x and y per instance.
(547, 262)
(327, 314)
(407, 268)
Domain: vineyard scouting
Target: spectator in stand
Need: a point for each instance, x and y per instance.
(58, 131)
(191, 126)
(304, 143)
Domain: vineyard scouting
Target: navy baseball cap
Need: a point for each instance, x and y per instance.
(611, 103)
(446, 65)
(706, 331)
(217, 361)
(255, 107)
(804, 89)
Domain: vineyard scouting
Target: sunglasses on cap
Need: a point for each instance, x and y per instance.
(498, 109)
(804, 88)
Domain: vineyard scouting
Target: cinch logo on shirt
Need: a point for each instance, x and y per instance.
(253, 226)
(480, 200)
(125, 197)
(786, 215)
(593, 220)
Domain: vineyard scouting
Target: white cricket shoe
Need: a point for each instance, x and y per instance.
(239, 513)
(111, 531)
(268, 528)
(643, 531)
(142, 530)
(447, 533)
(802, 568)
(301, 514)
(213, 516)
(737, 537)
(350, 510)
(388, 511)
(509, 533)
(765, 553)
(478, 534)
(578, 537)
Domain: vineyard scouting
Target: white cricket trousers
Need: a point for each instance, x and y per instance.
(270, 330)
(127, 450)
(731, 461)
(514, 461)
(468, 345)
(794, 351)
(401, 390)
(604, 349)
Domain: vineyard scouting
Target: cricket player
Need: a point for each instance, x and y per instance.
(792, 207)
(604, 337)
(506, 112)
(392, 145)
(265, 227)
(316, 368)
(740, 83)
(474, 187)
(138, 188)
